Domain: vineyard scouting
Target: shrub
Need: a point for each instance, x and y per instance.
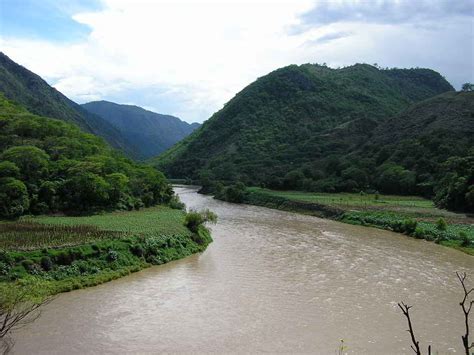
(64, 258)
(176, 203)
(112, 255)
(465, 240)
(419, 233)
(137, 250)
(4, 268)
(441, 224)
(46, 263)
(28, 264)
(440, 238)
(410, 226)
(195, 219)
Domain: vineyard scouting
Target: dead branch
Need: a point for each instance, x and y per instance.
(466, 306)
(406, 312)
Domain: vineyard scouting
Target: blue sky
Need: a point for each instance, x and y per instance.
(47, 19)
(187, 58)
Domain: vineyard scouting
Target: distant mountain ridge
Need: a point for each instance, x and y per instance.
(151, 132)
(29, 90)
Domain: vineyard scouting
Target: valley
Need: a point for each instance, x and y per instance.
(87, 197)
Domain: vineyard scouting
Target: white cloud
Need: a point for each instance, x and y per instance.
(187, 58)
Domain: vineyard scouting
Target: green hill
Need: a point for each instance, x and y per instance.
(48, 165)
(296, 120)
(151, 132)
(32, 92)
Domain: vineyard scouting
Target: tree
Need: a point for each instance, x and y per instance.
(293, 179)
(13, 198)
(118, 183)
(454, 190)
(466, 306)
(32, 161)
(84, 192)
(9, 169)
(467, 87)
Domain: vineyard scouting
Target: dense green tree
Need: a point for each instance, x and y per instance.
(394, 179)
(293, 180)
(9, 169)
(32, 161)
(118, 183)
(85, 191)
(13, 198)
(455, 189)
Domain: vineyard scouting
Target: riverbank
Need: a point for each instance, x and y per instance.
(66, 253)
(414, 216)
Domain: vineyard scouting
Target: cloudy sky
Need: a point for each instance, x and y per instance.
(188, 58)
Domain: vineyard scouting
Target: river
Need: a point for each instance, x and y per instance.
(271, 281)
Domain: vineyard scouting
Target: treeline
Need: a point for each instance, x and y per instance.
(49, 166)
(449, 183)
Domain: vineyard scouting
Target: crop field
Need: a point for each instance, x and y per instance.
(158, 220)
(53, 232)
(407, 205)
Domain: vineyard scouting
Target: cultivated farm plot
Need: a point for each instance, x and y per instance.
(53, 231)
(408, 205)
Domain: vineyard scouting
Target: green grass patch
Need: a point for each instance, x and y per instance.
(350, 199)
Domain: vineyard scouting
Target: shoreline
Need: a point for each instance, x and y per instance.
(54, 269)
(386, 220)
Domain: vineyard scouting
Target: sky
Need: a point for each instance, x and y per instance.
(188, 58)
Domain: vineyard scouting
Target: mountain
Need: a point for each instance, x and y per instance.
(48, 165)
(151, 132)
(32, 92)
(297, 120)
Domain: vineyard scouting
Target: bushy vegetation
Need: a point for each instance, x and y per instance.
(194, 220)
(49, 166)
(317, 129)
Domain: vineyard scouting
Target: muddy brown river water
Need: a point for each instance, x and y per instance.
(272, 281)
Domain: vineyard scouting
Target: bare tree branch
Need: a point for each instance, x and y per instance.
(17, 308)
(466, 306)
(406, 312)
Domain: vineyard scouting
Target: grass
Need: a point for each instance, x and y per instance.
(414, 216)
(351, 199)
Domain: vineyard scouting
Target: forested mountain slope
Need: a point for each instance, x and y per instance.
(151, 132)
(32, 92)
(297, 120)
